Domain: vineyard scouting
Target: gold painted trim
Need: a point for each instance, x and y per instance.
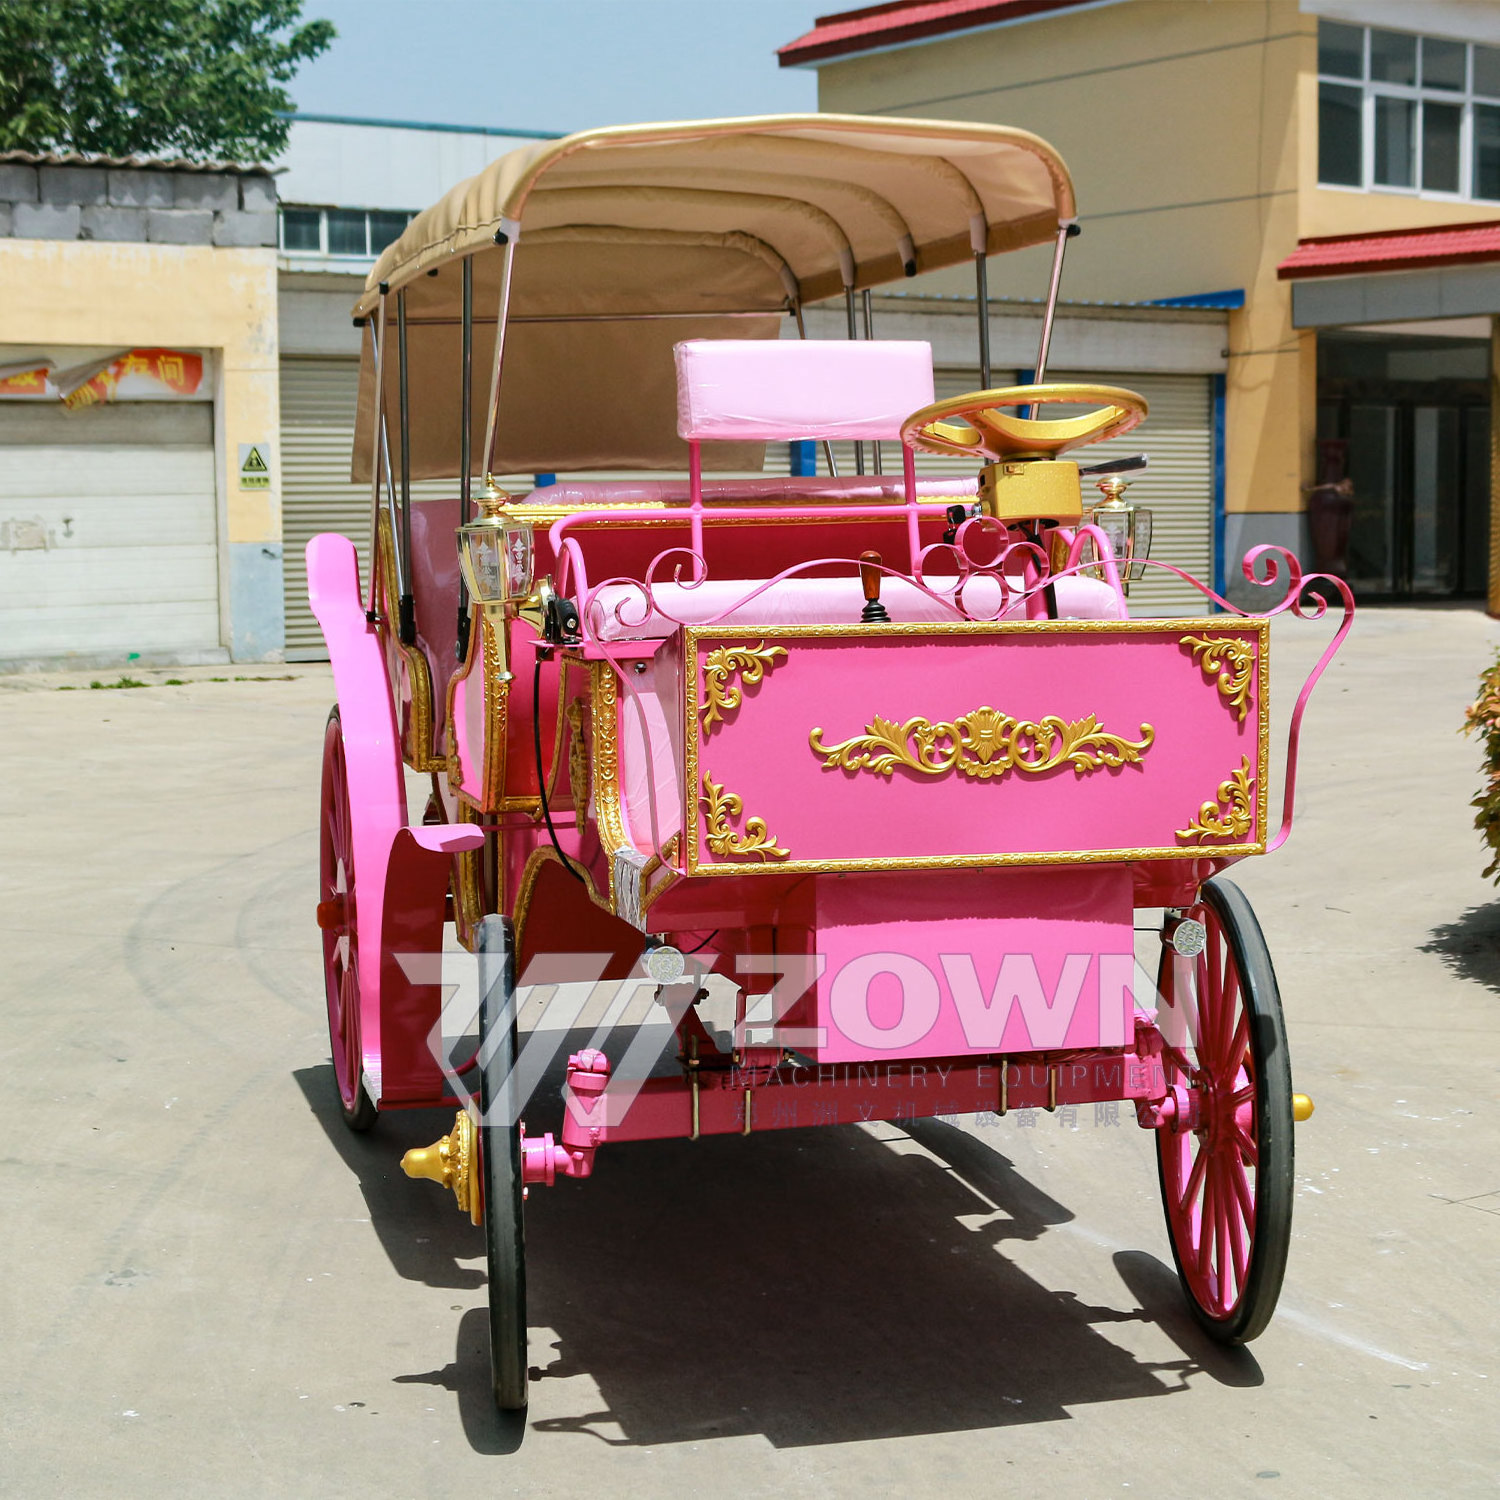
(984, 744)
(418, 754)
(720, 668)
(1233, 659)
(578, 764)
(695, 636)
(526, 888)
(1229, 816)
(721, 837)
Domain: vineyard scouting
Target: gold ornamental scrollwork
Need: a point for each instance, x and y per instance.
(720, 806)
(984, 744)
(1231, 814)
(1233, 659)
(578, 763)
(721, 666)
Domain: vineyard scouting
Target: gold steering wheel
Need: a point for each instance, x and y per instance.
(972, 426)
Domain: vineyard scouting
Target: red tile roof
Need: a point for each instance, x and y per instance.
(901, 21)
(1393, 250)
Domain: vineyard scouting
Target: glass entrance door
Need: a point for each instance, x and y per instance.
(1421, 498)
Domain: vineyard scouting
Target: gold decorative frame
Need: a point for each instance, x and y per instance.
(697, 639)
(418, 754)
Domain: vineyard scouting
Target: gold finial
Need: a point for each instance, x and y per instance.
(1302, 1107)
(451, 1162)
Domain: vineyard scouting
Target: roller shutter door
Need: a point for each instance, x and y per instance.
(108, 532)
(317, 428)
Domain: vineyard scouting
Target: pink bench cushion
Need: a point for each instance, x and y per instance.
(744, 390)
(616, 612)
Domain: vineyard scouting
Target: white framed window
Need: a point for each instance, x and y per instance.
(340, 233)
(1406, 113)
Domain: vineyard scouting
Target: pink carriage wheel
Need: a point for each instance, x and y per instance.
(1227, 1171)
(340, 934)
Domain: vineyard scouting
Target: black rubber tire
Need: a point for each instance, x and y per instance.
(500, 1162)
(1270, 1067)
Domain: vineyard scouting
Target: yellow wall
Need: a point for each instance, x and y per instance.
(1179, 120)
(93, 293)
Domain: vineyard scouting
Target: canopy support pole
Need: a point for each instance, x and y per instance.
(465, 445)
(982, 294)
(853, 321)
(833, 468)
(506, 236)
(377, 349)
(407, 618)
(869, 310)
(1065, 232)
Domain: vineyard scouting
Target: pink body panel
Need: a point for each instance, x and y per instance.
(741, 390)
(981, 961)
(1138, 680)
(401, 874)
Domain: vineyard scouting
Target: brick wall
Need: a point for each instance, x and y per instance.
(157, 205)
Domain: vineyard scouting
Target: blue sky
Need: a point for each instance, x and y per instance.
(557, 64)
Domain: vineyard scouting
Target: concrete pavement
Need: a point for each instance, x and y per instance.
(208, 1287)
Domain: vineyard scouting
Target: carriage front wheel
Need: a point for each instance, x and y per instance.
(340, 933)
(1226, 1161)
(500, 1161)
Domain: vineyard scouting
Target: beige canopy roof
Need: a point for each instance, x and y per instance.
(629, 239)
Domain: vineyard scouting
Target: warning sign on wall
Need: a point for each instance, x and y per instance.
(255, 466)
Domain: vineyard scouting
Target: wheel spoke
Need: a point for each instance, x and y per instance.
(1223, 1258)
(1205, 1228)
(1247, 1147)
(1194, 1182)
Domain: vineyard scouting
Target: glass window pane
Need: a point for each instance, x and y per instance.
(1395, 120)
(1487, 71)
(385, 227)
(299, 229)
(1341, 50)
(346, 232)
(1442, 64)
(1393, 57)
(1339, 135)
(1440, 124)
(1486, 151)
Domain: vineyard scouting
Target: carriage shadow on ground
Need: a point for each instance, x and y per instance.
(812, 1286)
(1470, 945)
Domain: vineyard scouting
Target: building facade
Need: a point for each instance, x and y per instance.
(140, 497)
(1215, 145)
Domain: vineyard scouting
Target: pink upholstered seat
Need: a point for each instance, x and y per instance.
(616, 611)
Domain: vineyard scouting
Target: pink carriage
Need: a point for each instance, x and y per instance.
(882, 752)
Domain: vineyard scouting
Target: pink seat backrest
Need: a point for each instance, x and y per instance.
(754, 390)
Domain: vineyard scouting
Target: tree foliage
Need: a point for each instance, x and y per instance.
(193, 78)
(1483, 718)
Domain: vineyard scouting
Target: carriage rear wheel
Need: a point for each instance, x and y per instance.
(340, 935)
(500, 1161)
(1227, 1171)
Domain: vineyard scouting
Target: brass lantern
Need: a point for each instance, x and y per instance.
(496, 553)
(1128, 528)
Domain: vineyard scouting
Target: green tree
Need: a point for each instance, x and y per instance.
(193, 78)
